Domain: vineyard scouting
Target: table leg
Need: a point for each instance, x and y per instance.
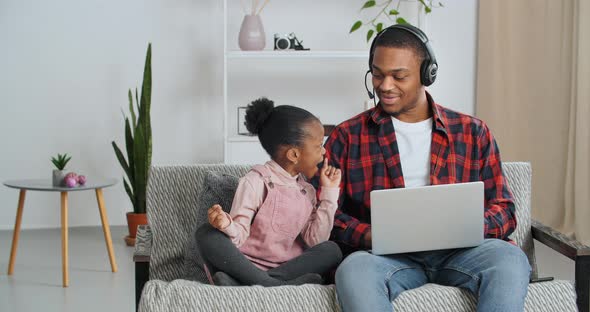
(106, 229)
(15, 234)
(64, 238)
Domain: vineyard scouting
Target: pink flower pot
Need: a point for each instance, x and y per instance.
(252, 37)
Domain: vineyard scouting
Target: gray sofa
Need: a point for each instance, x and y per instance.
(172, 214)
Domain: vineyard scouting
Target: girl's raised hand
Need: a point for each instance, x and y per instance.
(217, 217)
(329, 175)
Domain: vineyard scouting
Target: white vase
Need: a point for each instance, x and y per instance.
(252, 37)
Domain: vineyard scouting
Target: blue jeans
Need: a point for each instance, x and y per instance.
(496, 272)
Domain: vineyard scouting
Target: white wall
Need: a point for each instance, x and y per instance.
(453, 32)
(66, 66)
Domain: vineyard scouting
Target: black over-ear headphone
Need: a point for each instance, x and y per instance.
(429, 66)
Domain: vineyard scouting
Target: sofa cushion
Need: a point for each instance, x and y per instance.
(218, 188)
(180, 295)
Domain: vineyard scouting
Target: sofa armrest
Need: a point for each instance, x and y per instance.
(566, 246)
(143, 244)
(574, 250)
(141, 257)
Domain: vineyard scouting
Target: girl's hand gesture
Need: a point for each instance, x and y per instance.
(217, 217)
(329, 176)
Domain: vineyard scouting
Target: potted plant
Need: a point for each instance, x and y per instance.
(60, 163)
(138, 146)
(390, 11)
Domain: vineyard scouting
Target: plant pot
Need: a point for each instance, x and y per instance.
(133, 220)
(252, 37)
(58, 177)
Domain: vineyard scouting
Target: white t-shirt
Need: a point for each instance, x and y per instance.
(413, 141)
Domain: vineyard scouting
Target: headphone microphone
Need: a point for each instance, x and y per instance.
(371, 95)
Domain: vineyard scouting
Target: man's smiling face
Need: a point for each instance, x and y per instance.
(396, 79)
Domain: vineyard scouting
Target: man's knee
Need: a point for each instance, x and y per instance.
(355, 267)
(507, 259)
(384, 277)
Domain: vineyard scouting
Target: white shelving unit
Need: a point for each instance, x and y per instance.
(297, 54)
(321, 80)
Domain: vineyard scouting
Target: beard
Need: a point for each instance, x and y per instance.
(406, 103)
(403, 109)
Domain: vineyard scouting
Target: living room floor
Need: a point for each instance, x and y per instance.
(36, 282)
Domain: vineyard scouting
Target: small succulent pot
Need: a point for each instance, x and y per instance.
(58, 177)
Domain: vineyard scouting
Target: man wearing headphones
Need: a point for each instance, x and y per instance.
(409, 140)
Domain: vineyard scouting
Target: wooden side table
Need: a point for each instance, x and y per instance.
(46, 185)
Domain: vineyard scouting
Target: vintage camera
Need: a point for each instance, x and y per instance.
(288, 42)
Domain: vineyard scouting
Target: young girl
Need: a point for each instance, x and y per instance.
(278, 233)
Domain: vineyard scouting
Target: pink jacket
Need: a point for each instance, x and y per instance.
(271, 209)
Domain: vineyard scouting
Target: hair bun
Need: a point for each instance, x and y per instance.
(257, 114)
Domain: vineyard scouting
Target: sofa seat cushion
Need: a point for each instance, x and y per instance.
(182, 295)
(541, 297)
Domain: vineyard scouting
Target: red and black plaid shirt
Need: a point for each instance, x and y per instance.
(462, 150)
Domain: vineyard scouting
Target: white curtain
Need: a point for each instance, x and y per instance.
(532, 90)
(577, 182)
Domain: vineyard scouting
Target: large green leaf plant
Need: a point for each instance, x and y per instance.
(388, 12)
(138, 141)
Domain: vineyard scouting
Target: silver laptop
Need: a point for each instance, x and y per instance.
(427, 218)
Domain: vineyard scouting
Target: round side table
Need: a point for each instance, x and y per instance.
(46, 185)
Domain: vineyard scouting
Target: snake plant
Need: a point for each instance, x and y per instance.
(138, 141)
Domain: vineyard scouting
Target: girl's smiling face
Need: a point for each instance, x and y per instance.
(312, 150)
